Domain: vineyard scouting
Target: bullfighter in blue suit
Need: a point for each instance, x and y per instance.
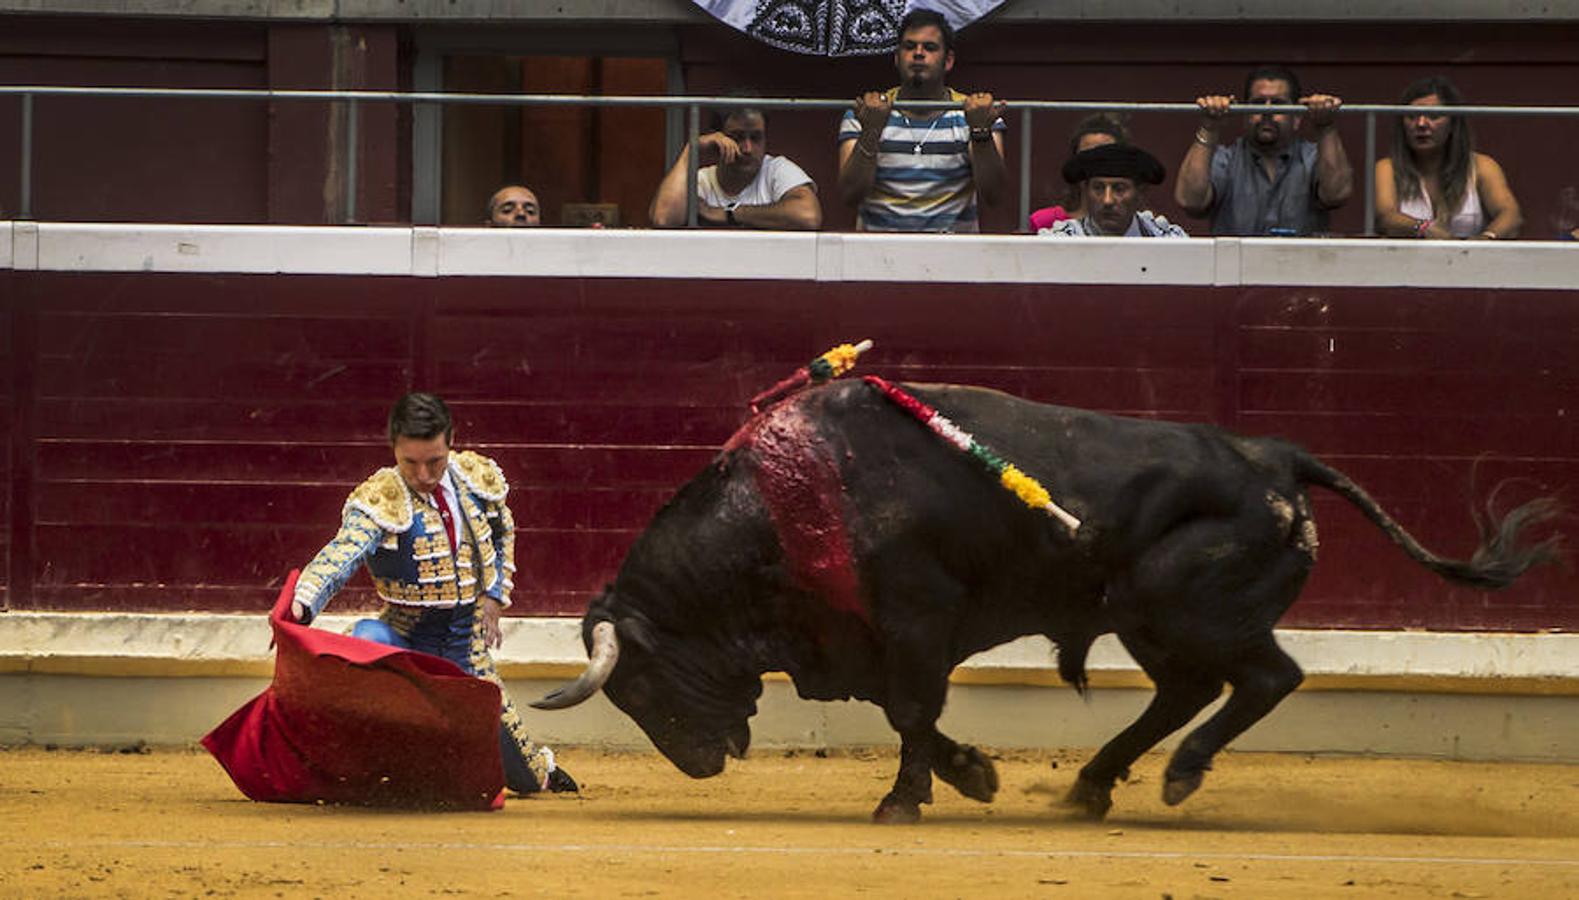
(439, 542)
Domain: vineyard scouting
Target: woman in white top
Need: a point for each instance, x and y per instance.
(1436, 185)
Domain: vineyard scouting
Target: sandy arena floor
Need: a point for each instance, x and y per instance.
(170, 824)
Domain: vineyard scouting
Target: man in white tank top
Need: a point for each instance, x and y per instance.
(744, 187)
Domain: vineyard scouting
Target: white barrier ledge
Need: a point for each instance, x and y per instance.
(1540, 265)
(1020, 259)
(118, 679)
(195, 645)
(623, 253)
(786, 256)
(270, 249)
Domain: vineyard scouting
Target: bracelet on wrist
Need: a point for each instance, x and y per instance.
(1489, 235)
(865, 151)
(1204, 137)
(981, 135)
(1421, 227)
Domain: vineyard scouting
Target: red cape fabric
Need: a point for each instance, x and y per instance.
(352, 721)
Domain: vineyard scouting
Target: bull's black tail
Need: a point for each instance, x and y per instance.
(1499, 560)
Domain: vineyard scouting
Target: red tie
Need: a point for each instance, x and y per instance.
(444, 513)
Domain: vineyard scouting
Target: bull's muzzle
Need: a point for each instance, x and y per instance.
(605, 653)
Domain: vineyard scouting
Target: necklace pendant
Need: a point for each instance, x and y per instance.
(917, 150)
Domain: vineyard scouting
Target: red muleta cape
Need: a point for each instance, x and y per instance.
(351, 721)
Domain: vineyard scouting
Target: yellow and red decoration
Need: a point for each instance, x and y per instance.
(832, 364)
(1028, 489)
(841, 359)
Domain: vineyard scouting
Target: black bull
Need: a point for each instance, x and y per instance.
(840, 541)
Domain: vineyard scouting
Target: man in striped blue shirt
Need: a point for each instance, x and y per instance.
(921, 170)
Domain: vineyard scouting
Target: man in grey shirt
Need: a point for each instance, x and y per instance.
(1269, 182)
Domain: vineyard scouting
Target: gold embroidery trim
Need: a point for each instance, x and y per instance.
(384, 498)
(481, 474)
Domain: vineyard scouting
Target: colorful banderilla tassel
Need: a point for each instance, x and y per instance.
(832, 364)
(837, 361)
(1028, 489)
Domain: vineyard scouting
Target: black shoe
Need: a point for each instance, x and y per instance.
(560, 782)
(518, 776)
(522, 784)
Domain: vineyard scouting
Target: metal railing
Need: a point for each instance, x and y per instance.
(693, 107)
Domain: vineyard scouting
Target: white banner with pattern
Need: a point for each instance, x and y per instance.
(836, 27)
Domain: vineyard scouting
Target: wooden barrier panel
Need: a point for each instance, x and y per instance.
(179, 440)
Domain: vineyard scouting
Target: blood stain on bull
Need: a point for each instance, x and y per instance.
(837, 540)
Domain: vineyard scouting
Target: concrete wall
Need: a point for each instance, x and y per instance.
(115, 679)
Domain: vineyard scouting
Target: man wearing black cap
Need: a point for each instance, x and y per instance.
(1113, 179)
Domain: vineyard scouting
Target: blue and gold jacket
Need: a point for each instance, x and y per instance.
(398, 534)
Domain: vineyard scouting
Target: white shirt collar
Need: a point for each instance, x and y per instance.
(1090, 227)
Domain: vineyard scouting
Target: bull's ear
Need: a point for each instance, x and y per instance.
(635, 630)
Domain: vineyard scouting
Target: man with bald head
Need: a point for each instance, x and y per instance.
(514, 206)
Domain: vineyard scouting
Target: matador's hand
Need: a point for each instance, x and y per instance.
(492, 635)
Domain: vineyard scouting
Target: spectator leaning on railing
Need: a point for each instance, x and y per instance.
(1436, 185)
(744, 187)
(1269, 181)
(921, 170)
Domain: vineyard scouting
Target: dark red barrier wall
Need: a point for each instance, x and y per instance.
(8, 428)
(180, 441)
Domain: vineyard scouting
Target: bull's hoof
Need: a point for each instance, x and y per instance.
(1177, 786)
(1089, 799)
(894, 811)
(971, 773)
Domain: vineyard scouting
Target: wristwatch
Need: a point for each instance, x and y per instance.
(729, 213)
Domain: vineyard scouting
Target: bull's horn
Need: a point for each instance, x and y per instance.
(605, 653)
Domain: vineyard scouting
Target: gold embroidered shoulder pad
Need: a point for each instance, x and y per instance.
(384, 498)
(481, 474)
